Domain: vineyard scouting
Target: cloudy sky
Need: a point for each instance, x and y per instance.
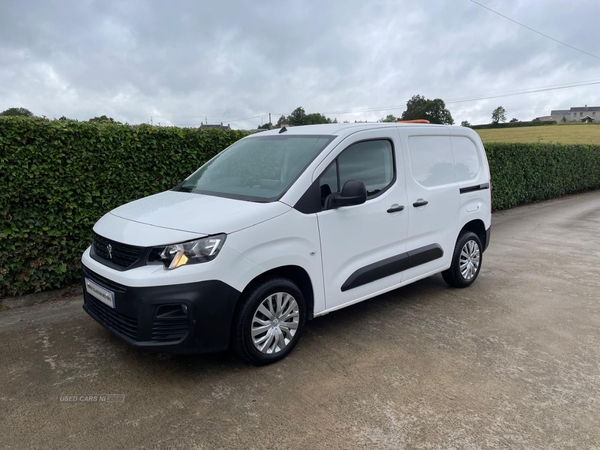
(179, 62)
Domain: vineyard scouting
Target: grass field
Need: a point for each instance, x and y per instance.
(566, 134)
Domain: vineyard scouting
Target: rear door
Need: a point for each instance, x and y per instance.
(433, 199)
(472, 178)
(363, 246)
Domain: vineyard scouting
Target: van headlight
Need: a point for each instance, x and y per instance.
(192, 252)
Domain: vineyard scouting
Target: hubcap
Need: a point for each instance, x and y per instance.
(275, 323)
(470, 257)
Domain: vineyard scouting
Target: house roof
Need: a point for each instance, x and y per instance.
(217, 126)
(559, 112)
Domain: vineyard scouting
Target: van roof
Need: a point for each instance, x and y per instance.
(336, 128)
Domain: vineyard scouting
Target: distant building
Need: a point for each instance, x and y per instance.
(217, 126)
(283, 123)
(590, 114)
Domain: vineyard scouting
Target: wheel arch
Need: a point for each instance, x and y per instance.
(478, 227)
(294, 273)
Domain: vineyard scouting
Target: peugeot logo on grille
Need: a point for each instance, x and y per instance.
(109, 250)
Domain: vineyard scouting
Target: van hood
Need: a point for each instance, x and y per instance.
(198, 213)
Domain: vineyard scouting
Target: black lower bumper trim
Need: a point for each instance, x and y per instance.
(488, 235)
(204, 325)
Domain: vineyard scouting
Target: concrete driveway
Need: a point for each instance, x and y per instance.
(511, 362)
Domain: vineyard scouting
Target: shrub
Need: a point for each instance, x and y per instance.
(524, 173)
(512, 124)
(58, 178)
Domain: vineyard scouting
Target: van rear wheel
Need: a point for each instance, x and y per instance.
(269, 322)
(466, 261)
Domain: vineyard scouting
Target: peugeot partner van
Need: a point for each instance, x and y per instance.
(285, 226)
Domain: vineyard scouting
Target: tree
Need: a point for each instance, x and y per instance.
(499, 115)
(23, 112)
(389, 118)
(418, 107)
(297, 117)
(316, 118)
(266, 126)
(513, 120)
(103, 119)
(465, 123)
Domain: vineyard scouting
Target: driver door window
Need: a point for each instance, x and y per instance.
(371, 162)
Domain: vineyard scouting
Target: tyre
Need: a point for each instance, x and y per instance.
(269, 322)
(466, 261)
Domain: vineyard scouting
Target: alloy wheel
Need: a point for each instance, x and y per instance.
(470, 257)
(275, 323)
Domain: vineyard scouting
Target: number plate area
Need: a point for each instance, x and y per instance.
(104, 295)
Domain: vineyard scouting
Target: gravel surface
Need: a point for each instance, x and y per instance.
(511, 362)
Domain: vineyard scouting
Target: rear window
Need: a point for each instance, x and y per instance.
(466, 158)
(431, 160)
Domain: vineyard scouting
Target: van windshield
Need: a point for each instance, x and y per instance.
(258, 168)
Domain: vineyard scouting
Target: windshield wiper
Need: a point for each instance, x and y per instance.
(184, 189)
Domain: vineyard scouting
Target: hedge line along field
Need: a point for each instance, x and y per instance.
(525, 173)
(588, 133)
(58, 178)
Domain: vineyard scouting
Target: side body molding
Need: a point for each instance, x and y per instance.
(390, 266)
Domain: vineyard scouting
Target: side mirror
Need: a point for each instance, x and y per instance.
(354, 192)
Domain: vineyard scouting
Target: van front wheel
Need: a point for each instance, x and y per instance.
(269, 322)
(466, 261)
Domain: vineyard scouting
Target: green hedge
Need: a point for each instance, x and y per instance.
(533, 123)
(57, 178)
(524, 173)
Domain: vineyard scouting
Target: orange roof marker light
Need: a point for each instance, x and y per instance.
(414, 121)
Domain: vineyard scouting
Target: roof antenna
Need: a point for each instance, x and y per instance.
(283, 130)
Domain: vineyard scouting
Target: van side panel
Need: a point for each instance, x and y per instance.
(291, 239)
(433, 198)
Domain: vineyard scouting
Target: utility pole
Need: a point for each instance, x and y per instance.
(270, 123)
(151, 122)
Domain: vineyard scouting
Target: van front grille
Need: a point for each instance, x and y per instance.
(122, 255)
(110, 318)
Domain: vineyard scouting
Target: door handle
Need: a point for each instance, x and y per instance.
(420, 202)
(395, 208)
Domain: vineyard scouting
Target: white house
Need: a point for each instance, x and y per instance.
(575, 114)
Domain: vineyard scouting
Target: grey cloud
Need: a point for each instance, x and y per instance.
(182, 61)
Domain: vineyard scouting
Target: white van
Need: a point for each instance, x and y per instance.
(288, 225)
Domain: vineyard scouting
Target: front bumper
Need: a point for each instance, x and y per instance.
(182, 318)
